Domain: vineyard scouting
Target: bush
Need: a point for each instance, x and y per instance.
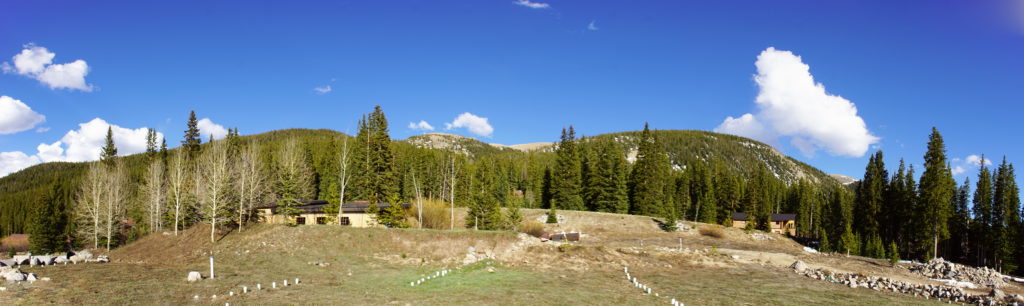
(436, 214)
(552, 216)
(532, 228)
(713, 232)
(565, 247)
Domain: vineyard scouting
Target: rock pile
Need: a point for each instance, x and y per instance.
(942, 269)
(947, 293)
(14, 275)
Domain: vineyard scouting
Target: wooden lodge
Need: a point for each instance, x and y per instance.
(312, 212)
(780, 223)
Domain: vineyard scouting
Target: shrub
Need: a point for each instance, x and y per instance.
(712, 232)
(552, 216)
(436, 214)
(532, 228)
(565, 247)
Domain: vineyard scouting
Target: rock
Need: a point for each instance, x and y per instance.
(194, 276)
(103, 259)
(490, 269)
(798, 266)
(6, 263)
(1017, 298)
(60, 259)
(42, 260)
(13, 275)
(996, 293)
(31, 277)
(21, 259)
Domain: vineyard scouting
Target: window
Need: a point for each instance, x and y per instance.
(300, 220)
(344, 221)
(321, 220)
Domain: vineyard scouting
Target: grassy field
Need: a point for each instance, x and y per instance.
(375, 266)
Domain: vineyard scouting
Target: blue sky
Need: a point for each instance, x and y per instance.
(528, 67)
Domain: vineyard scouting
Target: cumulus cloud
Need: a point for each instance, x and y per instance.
(37, 62)
(11, 162)
(323, 89)
(207, 128)
(422, 125)
(533, 5)
(475, 124)
(791, 104)
(83, 144)
(15, 116)
(976, 160)
(958, 170)
(592, 26)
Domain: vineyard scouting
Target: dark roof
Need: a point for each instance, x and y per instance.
(740, 216)
(317, 206)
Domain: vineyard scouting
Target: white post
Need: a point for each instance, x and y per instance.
(245, 289)
(680, 244)
(273, 285)
(211, 266)
(259, 286)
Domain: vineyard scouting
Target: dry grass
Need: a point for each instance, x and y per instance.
(14, 242)
(713, 232)
(532, 228)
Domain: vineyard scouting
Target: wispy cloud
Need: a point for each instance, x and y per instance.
(422, 126)
(592, 26)
(37, 62)
(533, 5)
(323, 89)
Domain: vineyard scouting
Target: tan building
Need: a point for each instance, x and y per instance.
(780, 223)
(312, 212)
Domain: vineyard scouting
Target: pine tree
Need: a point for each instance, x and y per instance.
(824, 245)
(893, 254)
(606, 178)
(936, 191)
(984, 216)
(47, 232)
(648, 180)
(109, 149)
(567, 177)
(870, 195)
(192, 140)
(1006, 206)
(379, 181)
(959, 224)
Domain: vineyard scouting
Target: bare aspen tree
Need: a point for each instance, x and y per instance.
(90, 196)
(419, 199)
(343, 177)
(250, 183)
(177, 180)
(154, 194)
(214, 182)
(116, 196)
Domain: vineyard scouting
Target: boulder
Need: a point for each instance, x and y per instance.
(194, 276)
(60, 260)
(21, 259)
(996, 293)
(31, 277)
(43, 260)
(103, 259)
(6, 263)
(798, 266)
(85, 254)
(13, 275)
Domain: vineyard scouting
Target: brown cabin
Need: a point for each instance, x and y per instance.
(312, 212)
(780, 223)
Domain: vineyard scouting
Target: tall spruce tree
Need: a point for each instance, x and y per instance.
(47, 234)
(649, 177)
(192, 139)
(567, 176)
(109, 150)
(151, 148)
(1006, 206)
(869, 199)
(606, 178)
(936, 190)
(959, 223)
(984, 216)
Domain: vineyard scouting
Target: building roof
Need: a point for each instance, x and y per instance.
(317, 206)
(741, 216)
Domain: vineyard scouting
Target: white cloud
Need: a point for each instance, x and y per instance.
(11, 162)
(37, 62)
(422, 125)
(42, 129)
(592, 26)
(323, 89)
(15, 116)
(83, 144)
(476, 125)
(975, 160)
(207, 127)
(791, 104)
(958, 170)
(533, 5)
